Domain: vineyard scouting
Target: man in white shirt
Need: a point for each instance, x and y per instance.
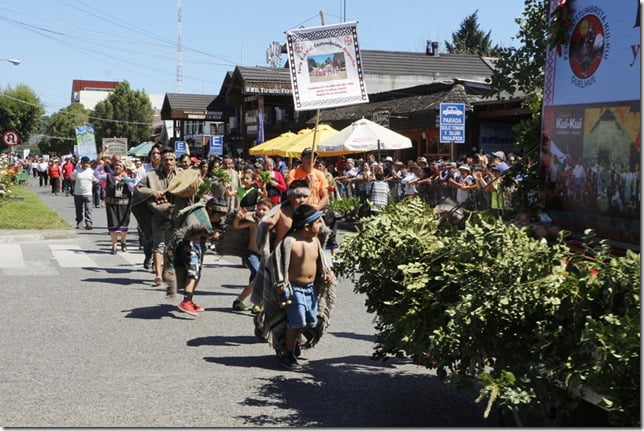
(83, 181)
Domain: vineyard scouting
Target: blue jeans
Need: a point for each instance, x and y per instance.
(252, 260)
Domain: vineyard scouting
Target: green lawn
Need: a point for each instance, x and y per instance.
(30, 213)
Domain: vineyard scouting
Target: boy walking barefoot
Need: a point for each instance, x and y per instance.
(301, 272)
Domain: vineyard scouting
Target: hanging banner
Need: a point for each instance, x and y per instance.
(592, 121)
(86, 142)
(326, 67)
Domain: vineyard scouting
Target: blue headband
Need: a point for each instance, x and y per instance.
(307, 220)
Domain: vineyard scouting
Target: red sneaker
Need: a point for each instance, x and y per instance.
(198, 308)
(188, 307)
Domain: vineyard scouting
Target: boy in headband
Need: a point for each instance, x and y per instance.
(301, 262)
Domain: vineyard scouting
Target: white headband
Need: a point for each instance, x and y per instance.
(301, 191)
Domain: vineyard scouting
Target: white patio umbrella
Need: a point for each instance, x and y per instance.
(361, 136)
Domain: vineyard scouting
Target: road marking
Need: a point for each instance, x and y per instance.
(11, 256)
(71, 256)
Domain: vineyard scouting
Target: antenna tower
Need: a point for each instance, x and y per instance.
(178, 83)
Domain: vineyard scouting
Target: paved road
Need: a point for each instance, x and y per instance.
(89, 341)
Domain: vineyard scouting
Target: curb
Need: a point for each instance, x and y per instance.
(9, 236)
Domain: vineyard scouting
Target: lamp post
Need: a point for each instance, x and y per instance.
(13, 61)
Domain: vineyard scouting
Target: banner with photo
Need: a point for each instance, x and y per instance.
(592, 121)
(325, 66)
(85, 139)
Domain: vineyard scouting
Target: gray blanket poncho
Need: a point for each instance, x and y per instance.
(270, 323)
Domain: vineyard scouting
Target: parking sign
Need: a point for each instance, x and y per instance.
(452, 123)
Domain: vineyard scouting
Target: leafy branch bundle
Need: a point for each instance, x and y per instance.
(533, 323)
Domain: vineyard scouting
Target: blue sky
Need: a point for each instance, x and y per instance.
(58, 41)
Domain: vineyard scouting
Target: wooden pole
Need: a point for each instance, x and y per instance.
(317, 116)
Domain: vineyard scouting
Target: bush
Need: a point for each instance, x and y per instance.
(522, 317)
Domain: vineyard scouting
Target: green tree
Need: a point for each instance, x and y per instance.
(20, 110)
(61, 129)
(125, 113)
(520, 70)
(470, 39)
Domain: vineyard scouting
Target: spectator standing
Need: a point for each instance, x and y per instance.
(276, 187)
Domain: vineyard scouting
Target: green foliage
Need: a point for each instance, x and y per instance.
(222, 175)
(265, 177)
(61, 128)
(524, 317)
(470, 39)
(521, 69)
(20, 110)
(125, 113)
(348, 207)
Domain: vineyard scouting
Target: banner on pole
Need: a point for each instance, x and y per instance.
(113, 146)
(85, 139)
(326, 67)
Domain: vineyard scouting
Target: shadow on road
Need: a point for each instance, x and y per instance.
(354, 391)
(222, 341)
(354, 336)
(155, 312)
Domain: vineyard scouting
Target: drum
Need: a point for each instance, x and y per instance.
(185, 183)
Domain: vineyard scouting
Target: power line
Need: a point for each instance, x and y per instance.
(109, 120)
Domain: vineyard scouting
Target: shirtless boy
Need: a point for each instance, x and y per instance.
(305, 264)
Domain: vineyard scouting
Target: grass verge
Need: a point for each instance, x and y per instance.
(30, 213)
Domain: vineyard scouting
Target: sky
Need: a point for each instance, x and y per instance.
(58, 41)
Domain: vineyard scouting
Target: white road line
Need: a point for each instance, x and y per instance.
(71, 256)
(11, 256)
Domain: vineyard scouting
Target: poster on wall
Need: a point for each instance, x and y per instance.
(592, 121)
(325, 66)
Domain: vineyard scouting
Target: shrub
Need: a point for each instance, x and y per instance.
(522, 317)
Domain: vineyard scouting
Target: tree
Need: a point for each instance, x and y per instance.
(470, 39)
(125, 113)
(61, 129)
(20, 110)
(521, 69)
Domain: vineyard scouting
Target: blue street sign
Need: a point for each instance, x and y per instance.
(180, 148)
(216, 145)
(452, 123)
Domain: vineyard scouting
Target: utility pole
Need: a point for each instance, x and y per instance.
(178, 83)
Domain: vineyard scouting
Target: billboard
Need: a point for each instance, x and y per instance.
(592, 121)
(325, 66)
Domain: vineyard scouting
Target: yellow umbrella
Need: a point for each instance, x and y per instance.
(294, 148)
(263, 148)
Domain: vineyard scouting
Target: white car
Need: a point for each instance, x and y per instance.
(452, 110)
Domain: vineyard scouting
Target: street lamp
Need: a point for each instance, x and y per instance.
(13, 61)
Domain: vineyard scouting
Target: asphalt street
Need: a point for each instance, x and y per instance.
(89, 341)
